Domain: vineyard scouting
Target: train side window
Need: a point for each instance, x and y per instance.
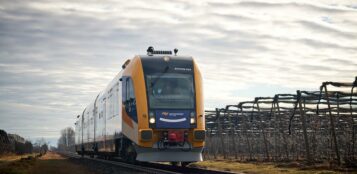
(129, 100)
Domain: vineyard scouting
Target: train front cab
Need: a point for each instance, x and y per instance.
(165, 110)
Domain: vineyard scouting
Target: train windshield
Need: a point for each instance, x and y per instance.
(170, 91)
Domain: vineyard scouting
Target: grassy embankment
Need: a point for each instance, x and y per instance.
(49, 163)
(270, 168)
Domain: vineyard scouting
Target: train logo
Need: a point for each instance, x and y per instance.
(165, 114)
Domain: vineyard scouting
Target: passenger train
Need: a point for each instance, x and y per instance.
(151, 111)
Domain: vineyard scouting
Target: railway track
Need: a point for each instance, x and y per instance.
(147, 168)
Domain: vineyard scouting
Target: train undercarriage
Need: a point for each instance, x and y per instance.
(174, 149)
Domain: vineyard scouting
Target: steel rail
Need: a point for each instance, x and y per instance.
(151, 168)
(133, 167)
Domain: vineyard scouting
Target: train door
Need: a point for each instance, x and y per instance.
(95, 125)
(88, 130)
(96, 117)
(82, 131)
(99, 124)
(95, 147)
(128, 98)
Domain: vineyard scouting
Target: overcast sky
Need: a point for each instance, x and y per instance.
(56, 56)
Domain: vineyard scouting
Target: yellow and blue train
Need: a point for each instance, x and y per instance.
(151, 111)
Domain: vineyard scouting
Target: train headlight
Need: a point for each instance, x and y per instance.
(166, 58)
(192, 120)
(152, 120)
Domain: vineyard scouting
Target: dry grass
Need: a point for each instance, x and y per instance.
(57, 164)
(12, 157)
(13, 165)
(52, 156)
(51, 163)
(260, 168)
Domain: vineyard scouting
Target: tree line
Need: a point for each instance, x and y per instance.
(66, 141)
(13, 143)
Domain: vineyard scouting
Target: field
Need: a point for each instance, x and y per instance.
(56, 164)
(49, 163)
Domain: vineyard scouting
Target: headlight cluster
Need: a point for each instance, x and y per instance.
(192, 118)
(152, 119)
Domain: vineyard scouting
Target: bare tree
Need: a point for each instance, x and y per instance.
(40, 146)
(66, 140)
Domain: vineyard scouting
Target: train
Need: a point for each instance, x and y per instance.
(152, 111)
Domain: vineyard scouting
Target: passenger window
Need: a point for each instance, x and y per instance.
(129, 100)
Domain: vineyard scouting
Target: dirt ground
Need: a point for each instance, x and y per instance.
(262, 168)
(53, 163)
(50, 163)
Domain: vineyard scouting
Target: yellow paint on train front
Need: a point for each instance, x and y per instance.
(199, 104)
(135, 70)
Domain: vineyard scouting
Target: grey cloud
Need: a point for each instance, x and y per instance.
(54, 61)
(340, 61)
(327, 30)
(324, 45)
(305, 6)
(352, 6)
(315, 67)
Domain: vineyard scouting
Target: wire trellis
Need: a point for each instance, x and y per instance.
(313, 126)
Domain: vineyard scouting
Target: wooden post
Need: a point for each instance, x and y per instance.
(214, 149)
(281, 130)
(234, 137)
(264, 136)
(332, 123)
(275, 133)
(218, 114)
(209, 138)
(246, 133)
(303, 120)
(352, 155)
